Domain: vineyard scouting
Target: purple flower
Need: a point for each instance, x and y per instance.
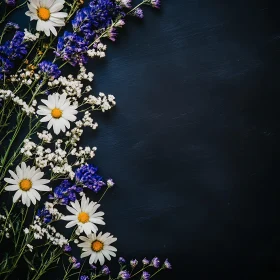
(76, 265)
(133, 263)
(125, 3)
(10, 2)
(167, 264)
(65, 192)
(155, 3)
(67, 248)
(105, 270)
(45, 215)
(145, 261)
(11, 25)
(49, 69)
(112, 34)
(138, 13)
(145, 275)
(11, 51)
(87, 176)
(92, 266)
(124, 274)
(121, 260)
(155, 262)
(84, 277)
(72, 259)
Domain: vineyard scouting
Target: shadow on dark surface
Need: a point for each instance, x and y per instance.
(193, 144)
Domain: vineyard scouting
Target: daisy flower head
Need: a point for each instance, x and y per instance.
(58, 112)
(84, 215)
(27, 181)
(48, 15)
(98, 247)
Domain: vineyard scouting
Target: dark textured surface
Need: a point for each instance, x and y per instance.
(194, 141)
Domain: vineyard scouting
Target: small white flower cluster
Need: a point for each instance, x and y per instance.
(53, 211)
(28, 146)
(82, 154)
(25, 78)
(99, 51)
(5, 227)
(5, 94)
(71, 86)
(30, 247)
(49, 232)
(45, 136)
(28, 36)
(101, 102)
(83, 75)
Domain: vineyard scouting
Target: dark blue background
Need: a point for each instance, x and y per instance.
(194, 141)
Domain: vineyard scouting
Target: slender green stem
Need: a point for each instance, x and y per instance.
(103, 194)
(157, 272)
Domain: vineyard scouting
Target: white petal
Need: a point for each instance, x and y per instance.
(24, 197)
(17, 196)
(35, 194)
(59, 15)
(11, 181)
(69, 218)
(101, 258)
(72, 210)
(71, 224)
(86, 254)
(31, 197)
(13, 174)
(92, 257)
(37, 176)
(19, 172)
(41, 188)
(12, 188)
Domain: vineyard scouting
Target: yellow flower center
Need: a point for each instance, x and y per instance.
(83, 217)
(97, 246)
(56, 113)
(25, 184)
(43, 13)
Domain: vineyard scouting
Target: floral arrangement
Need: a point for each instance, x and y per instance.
(43, 115)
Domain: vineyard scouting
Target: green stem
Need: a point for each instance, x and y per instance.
(157, 272)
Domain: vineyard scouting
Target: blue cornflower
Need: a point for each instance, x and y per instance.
(9, 52)
(72, 48)
(84, 277)
(97, 16)
(65, 192)
(124, 274)
(45, 215)
(145, 275)
(49, 69)
(87, 176)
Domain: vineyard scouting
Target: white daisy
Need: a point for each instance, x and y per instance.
(47, 13)
(26, 182)
(58, 112)
(84, 215)
(98, 247)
